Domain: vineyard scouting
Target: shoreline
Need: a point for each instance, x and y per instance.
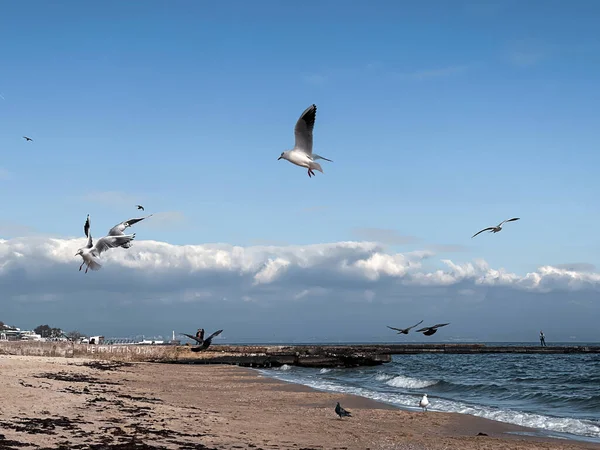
(54, 403)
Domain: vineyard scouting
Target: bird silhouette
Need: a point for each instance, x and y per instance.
(404, 330)
(27, 138)
(341, 411)
(428, 331)
(203, 343)
(140, 207)
(497, 228)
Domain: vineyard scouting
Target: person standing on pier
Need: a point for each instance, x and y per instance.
(542, 339)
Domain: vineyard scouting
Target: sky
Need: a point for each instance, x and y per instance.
(441, 118)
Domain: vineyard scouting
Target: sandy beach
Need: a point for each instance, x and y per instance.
(57, 403)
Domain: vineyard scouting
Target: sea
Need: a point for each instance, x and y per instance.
(559, 395)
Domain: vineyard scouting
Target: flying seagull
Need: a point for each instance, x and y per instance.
(91, 251)
(27, 138)
(302, 154)
(424, 403)
(341, 411)
(203, 343)
(118, 229)
(497, 228)
(140, 207)
(428, 331)
(404, 330)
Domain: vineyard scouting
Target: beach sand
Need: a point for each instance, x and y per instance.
(56, 403)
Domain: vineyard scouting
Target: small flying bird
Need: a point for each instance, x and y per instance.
(140, 207)
(91, 251)
(404, 330)
(341, 411)
(424, 403)
(428, 331)
(203, 343)
(118, 229)
(302, 154)
(497, 228)
(27, 138)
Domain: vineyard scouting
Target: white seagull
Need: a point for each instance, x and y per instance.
(118, 230)
(424, 403)
(497, 228)
(302, 154)
(91, 251)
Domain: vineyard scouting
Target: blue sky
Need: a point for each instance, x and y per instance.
(441, 118)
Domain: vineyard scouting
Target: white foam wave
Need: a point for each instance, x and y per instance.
(401, 381)
(284, 367)
(553, 424)
(383, 376)
(324, 370)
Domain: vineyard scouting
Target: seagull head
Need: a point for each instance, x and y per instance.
(79, 252)
(283, 155)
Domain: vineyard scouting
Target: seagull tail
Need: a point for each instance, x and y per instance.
(316, 166)
(94, 265)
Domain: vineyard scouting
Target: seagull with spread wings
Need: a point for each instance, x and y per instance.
(428, 331)
(139, 207)
(497, 228)
(27, 138)
(404, 330)
(118, 229)
(302, 154)
(91, 251)
(203, 343)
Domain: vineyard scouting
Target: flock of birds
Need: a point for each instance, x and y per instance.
(301, 155)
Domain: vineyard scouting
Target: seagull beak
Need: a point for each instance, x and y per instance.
(278, 158)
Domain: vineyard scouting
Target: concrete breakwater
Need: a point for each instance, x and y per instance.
(268, 355)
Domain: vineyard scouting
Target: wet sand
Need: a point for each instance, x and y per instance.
(57, 403)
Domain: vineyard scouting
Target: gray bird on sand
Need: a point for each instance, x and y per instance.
(341, 411)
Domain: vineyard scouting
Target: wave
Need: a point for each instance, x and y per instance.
(324, 370)
(401, 381)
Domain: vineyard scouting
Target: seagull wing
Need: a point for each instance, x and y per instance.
(86, 226)
(304, 130)
(410, 328)
(397, 329)
(199, 341)
(90, 242)
(118, 229)
(485, 229)
(108, 242)
(423, 329)
(508, 220)
(440, 325)
(210, 338)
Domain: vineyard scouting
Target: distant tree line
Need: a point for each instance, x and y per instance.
(46, 331)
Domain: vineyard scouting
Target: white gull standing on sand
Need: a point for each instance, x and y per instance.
(302, 154)
(424, 403)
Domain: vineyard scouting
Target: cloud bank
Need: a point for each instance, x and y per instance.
(154, 280)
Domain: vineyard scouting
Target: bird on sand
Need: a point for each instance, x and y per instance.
(139, 207)
(118, 229)
(302, 154)
(341, 411)
(27, 138)
(203, 343)
(404, 330)
(424, 403)
(428, 331)
(91, 251)
(497, 228)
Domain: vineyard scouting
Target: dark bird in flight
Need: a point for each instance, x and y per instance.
(497, 228)
(428, 331)
(203, 343)
(27, 138)
(341, 411)
(404, 330)
(140, 207)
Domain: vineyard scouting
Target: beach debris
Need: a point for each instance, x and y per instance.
(404, 330)
(497, 228)
(428, 331)
(482, 434)
(424, 403)
(341, 411)
(302, 155)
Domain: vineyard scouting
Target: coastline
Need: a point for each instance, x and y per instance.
(76, 403)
